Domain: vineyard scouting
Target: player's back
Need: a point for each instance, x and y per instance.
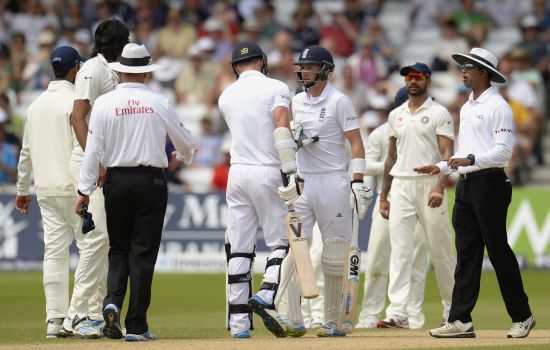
(247, 106)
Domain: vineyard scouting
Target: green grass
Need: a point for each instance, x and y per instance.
(193, 305)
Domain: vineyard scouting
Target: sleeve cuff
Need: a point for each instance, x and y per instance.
(444, 167)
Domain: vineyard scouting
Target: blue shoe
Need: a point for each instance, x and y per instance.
(242, 335)
(97, 324)
(111, 315)
(330, 330)
(147, 336)
(272, 321)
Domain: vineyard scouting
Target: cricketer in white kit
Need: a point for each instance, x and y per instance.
(94, 79)
(420, 131)
(255, 106)
(326, 113)
(46, 152)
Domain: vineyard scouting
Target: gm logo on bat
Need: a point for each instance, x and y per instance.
(353, 273)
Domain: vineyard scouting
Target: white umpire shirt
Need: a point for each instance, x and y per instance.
(247, 107)
(327, 116)
(416, 135)
(128, 128)
(94, 78)
(486, 131)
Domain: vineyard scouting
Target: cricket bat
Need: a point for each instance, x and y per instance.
(350, 283)
(297, 240)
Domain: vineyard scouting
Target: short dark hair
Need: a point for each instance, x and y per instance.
(110, 38)
(59, 73)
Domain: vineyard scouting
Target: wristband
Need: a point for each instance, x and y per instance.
(82, 194)
(358, 166)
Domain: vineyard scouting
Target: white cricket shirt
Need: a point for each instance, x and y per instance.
(247, 107)
(94, 78)
(47, 143)
(376, 152)
(128, 127)
(486, 131)
(327, 116)
(416, 135)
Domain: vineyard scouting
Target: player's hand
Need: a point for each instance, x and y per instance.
(454, 163)
(101, 178)
(81, 201)
(293, 190)
(22, 204)
(428, 169)
(435, 199)
(360, 198)
(384, 208)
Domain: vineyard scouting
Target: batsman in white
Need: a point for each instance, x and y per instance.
(46, 152)
(327, 114)
(420, 131)
(378, 253)
(94, 79)
(256, 109)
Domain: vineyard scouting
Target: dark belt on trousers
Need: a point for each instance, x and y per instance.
(474, 174)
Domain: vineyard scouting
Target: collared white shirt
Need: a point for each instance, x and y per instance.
(486, 131)
(94, 78)
(327, 116)
(376, 151)
(247, 106)
(47, 143)
(416, 135)
(128, 126)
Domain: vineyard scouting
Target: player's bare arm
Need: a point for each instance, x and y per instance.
(81, 109)
(435, 197)
(388, 165)
(357, 148)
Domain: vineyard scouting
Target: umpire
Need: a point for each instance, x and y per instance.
(127, 133)
(483, 193)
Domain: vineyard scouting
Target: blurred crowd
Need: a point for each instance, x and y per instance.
(369, 39)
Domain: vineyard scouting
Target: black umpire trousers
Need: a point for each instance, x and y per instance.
(135, 204)
(479, 220)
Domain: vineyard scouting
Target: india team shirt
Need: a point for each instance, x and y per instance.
(486, 131)
(128, 128)
(327, 116)
(247, 106)
(94, 78)
(416, 135)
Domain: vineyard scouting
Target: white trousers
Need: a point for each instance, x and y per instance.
(377, 268)
(90, 279)
(252, 201)
(408, 206)
(314, 308)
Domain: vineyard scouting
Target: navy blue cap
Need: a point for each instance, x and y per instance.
(245, 50)
(64, 58)
(417, 67)
(401, 96)
(315, 54)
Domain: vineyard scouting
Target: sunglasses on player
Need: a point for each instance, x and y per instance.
(465, 66)
(415, 75)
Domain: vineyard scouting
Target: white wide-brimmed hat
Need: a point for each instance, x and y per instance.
(134, 59)
(484, 58)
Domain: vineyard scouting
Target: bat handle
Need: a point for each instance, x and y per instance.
(284, 176)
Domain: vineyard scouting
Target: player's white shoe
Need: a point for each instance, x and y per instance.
(55, 325)
(522, 329)
(295, 329)
(455, 329)
(67, 329)
(330, 330)
(393, 321)
(316, 322)
(83, 328)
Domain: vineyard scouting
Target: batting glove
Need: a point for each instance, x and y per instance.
(360, 198)
(293, 190)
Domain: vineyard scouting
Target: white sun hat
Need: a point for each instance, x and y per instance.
(484, 58)
(134, 59)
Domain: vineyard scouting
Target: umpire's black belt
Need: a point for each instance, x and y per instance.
(474, 174)
(139, 168)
